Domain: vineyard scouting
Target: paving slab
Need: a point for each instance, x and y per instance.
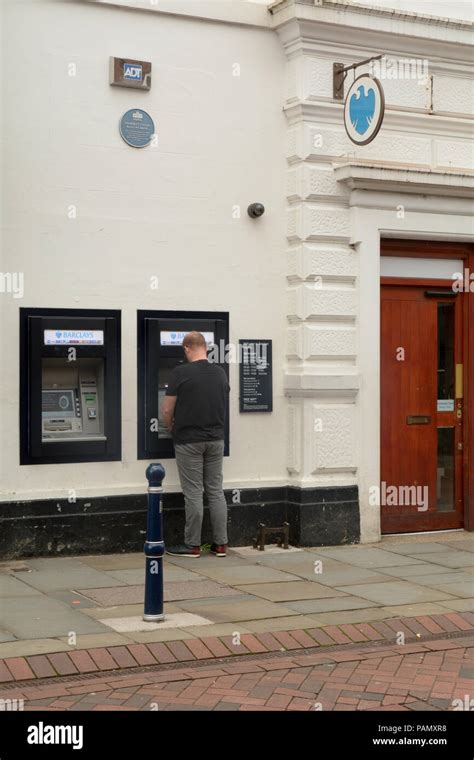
(458, 605)
(72, 599)
(412, 572)
(130, 577)
(65, 576)
(115, 596)
(173, 573)
(352, 616)
(213, 600)
(297, 559)
(397, 592)
(207, 560)
(6, 635)
(202, 588)
(346, 575)
(282, 592)
(27, 647)
(173, 591)
(92, 640)
(217, 629)
(125, 610)
(464, 589)
(14, 587)
(137, 577)
(272, 550)
(452, 558)
(240, 575)
(412, 610)
(45, 618)
(464, 544)
(365, 557)
(176, 620)
(310, 606)
(166, 634)
(445, 576)
(235, 610)
(129, 561)
(295, 623)
(309, 570)
(427, 547)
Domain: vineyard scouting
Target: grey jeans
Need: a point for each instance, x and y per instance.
(200, 468)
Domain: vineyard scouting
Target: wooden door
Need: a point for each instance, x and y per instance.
(421, 408)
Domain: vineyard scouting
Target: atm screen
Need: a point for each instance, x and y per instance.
(58, 403)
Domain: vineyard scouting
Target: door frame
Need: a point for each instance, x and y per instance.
(465, 252)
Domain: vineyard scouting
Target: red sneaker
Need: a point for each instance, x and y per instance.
(184, 550)
(220, 550)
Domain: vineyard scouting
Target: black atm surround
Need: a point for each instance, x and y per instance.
(33, 321)
(149, 326)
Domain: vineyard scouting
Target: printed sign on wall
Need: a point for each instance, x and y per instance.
(255, 376)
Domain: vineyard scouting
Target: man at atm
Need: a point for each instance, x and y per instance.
(194, 412)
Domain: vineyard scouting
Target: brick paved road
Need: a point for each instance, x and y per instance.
(371, 676)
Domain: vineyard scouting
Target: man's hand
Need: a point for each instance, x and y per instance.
(167, 411)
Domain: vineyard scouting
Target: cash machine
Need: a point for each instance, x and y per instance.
(159, 340)
(69, 386)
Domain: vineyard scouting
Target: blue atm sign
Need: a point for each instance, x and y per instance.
(133, 72)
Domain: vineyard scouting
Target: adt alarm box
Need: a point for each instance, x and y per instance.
(69, 386)
(160, 337)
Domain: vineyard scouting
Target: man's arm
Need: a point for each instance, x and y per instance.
(167, 411)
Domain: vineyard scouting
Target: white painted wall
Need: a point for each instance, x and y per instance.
(167, 211)
(164, 211)
(336, 218)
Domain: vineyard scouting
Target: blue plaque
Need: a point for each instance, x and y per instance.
(137, 128)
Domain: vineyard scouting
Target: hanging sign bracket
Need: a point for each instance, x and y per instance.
(339, 73)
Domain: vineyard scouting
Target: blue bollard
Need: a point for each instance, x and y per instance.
(154, 546)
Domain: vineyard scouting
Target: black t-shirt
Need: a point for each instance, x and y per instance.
(201, 388)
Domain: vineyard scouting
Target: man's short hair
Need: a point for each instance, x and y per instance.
(194, 339)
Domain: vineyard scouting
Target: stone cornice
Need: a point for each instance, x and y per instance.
(325, 111)
(342, 6)
(305, 25)
(372, 10)
(383, 177)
